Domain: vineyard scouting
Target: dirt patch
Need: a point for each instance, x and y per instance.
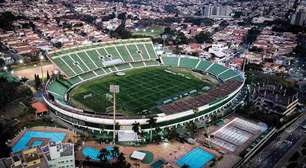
(29, 72)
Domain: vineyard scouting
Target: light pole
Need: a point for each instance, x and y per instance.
(114, 89)
(21, 61)
(41, 58)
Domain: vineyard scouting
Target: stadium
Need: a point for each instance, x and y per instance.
(173, 89)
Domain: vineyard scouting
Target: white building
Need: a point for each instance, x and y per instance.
(219, 50)
(216, 11)
(59, 155)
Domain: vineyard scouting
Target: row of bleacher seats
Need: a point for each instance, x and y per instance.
(82, 60)
(221, 72)
(211, 97)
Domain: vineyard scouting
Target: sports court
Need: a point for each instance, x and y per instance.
(236, 133)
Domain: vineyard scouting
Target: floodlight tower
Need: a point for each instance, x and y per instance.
(41, 58)
(114, 89)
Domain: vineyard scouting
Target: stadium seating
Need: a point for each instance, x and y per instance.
(121, 67)
(57, 90)
(137, 64)
(221, 72)
(75, 80)
(135, 53)
(211, 97)
(100, 71)
(84, 59)
(87, 75)
(203, 65)
(171, 61)
(188, 63)
(152, 63)
(227, 74)
(144, 52)
(216, 69)
(124, 53)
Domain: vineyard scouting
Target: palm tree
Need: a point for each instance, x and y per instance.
(115, 152)
(103, 155)
(152, 122)
(136, 127)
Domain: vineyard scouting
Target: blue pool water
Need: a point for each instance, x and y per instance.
(37, 143)
(28, 135)
(93, 153)
(196, 158)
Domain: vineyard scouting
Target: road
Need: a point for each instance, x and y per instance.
(273, 152)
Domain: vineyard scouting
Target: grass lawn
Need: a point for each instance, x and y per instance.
(149, 157)
(152, 32)
(140, 89)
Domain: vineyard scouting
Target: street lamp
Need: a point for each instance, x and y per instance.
(41, 58)
(114, 89)
(20, 61)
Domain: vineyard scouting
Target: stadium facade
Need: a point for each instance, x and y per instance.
(84, 63)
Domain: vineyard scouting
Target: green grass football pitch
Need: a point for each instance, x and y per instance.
(140, 89)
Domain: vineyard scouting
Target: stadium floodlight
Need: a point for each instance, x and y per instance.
(114, 89)
(41, 58)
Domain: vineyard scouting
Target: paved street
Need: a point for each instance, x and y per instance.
(274, 151)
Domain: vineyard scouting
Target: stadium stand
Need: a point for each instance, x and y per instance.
(171, 61)
(137, 64)
(83, 59)
(188, 63)
(203, 65)
(216, 69)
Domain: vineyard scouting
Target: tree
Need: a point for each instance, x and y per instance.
(6, 20)
(136, 127)
(251, 35)
(115, 152)
(203, 37)
(121, 162)
(121, 32)
(11, 90)
(103, 156)
(37, 81)
(58, 45)
(152, 122)
(237, 14)
(157, 134)
(2, 62)
(181, 38)
(48, 76)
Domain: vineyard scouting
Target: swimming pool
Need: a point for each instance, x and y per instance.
(22, 143)
(196, 158)
(94, 153)
(37, 143)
